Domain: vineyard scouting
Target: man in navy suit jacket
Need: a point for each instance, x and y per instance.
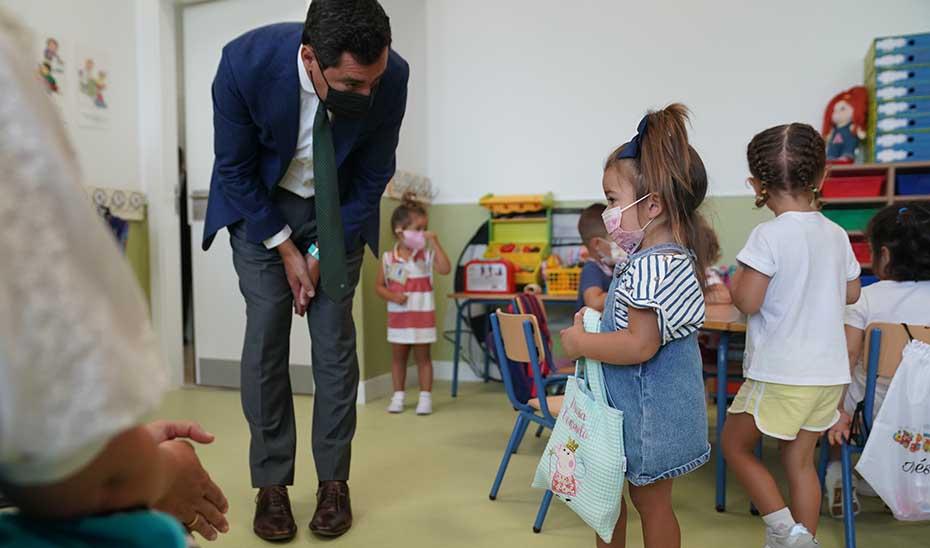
(268, 88)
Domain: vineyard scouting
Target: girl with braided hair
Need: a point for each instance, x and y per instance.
(797, 273)
(900, 239)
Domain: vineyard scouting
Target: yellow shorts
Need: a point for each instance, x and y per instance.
(782, 410)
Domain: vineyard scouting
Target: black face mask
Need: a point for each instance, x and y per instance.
(346, 104)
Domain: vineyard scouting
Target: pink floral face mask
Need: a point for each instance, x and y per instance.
(628, 240)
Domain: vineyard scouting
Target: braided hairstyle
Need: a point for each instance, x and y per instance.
(904, 229)
(671, 169)
(789, 158)
(409, 206)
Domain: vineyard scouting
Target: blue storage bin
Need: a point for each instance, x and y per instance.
(903, 92)
(897, 124)
(867, 279)
(911, 184)
(901, 77)
(902, 107)
(905, 43)
(914, 57)
(913, 141)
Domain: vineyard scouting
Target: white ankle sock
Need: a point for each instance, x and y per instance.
(427, 395)
(780, 520)
(399, 395)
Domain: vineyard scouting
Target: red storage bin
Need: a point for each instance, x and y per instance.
(865, 186)
(862, 252)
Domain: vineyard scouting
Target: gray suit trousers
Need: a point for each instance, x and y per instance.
(267, 400)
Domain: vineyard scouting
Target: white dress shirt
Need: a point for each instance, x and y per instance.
(299, 176)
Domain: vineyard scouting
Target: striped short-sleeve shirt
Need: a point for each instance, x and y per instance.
(667, 284)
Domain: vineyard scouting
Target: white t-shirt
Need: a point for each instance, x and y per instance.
(797, 337)
(889, 302)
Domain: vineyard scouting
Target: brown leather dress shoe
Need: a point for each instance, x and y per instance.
(333, 516)
(273, 517)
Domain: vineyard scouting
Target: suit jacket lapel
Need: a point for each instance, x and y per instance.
(345, 133)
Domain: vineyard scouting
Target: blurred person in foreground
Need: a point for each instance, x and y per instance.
(79, 364)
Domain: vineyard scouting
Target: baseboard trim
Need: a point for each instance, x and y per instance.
(382, 386)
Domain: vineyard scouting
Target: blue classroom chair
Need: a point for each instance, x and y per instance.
(883, 346)
(517, 341)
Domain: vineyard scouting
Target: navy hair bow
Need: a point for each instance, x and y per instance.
(631, 150)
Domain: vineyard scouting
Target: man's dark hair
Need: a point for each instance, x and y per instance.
(359, 27)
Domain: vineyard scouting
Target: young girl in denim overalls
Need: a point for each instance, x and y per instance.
(655, 305)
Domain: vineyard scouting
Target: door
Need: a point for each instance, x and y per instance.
(219, 309)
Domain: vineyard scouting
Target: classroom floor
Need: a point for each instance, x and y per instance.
(424, 481)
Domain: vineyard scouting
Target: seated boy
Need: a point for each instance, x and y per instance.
(595, 275)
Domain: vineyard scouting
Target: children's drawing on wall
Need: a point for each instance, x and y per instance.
(51, 69)
(93, 91)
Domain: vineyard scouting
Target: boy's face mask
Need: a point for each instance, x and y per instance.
(607, 252)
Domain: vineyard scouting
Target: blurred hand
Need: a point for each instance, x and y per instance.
(399, 298)
(840, 431)
(571, 337)
(193, 498)
(163, 430)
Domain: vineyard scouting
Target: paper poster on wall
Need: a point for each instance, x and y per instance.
(52, 69)
(93, 89)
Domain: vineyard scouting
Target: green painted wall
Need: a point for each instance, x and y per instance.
(733, 218)
(137, 253)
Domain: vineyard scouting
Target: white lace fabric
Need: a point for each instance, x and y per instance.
(79, 361)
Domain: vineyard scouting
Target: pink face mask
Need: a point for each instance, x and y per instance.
(414, 239)
(628, 240)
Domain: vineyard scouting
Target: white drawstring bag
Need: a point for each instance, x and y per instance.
(896, 459)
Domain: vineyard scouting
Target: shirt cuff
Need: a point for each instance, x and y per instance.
(278, 238)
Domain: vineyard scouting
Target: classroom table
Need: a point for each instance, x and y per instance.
(725, 320)
(463, 300)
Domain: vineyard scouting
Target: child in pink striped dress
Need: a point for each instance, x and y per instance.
(405, 281)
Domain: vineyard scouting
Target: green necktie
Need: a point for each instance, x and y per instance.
(330, 235)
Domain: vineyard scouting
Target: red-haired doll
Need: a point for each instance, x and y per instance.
(844, 123)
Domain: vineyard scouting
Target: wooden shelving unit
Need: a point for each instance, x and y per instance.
(889, 197)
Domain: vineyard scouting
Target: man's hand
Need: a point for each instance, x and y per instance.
(193, 498)
(571, 337)
(840, 431)
(313, 269)
(399, 298)
(298, 277)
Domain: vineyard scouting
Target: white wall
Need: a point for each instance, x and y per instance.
(110, 157)
(531, 95)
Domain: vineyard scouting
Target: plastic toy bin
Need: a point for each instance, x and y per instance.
(563, 281)
(911, 184)
(862, 252)
(866, 186)
(851, 219)
(526, 257)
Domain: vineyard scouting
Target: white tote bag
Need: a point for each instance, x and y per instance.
(896, 459)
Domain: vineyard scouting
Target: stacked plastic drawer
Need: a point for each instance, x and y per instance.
(897, 73)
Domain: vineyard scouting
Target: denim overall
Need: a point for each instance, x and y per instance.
(664, 410)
